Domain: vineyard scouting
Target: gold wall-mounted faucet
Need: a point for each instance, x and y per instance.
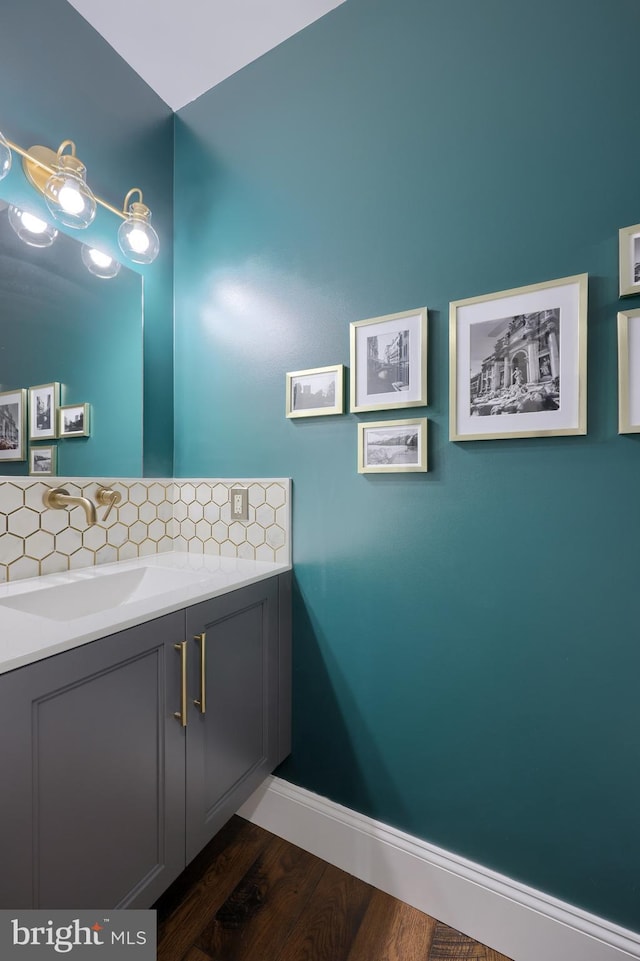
(59, 498)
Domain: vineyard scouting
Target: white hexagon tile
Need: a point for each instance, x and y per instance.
(153, 516)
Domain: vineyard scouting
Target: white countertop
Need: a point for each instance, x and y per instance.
(26, 637)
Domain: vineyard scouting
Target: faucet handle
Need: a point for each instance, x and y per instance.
(108, 498)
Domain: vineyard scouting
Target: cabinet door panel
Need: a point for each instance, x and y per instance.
(100, 762)
(236, 734)
(232, 747)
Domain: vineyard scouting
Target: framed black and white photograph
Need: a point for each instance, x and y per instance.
(629, 372)
(42, 461)
(43, 411)
(13, 425)
(389, 361)
(311, 393)
(392, 446)
(518, 362)
(629, 260)
(73, 420)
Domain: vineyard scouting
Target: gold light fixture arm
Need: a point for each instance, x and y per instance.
(63, 146)
(134, 190)
(39, 163)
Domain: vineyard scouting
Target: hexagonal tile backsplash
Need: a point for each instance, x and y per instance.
(153, 516)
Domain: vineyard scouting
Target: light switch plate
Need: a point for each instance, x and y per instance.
(239, 504)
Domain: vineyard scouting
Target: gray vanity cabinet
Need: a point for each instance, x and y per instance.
(105, 795)
(242, 734)
(92, 787)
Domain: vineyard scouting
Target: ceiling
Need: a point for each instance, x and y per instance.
(181, 49)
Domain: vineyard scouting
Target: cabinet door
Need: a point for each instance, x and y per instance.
(234, 744)
(92, 795)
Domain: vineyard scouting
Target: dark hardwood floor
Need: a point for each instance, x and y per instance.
(250, 896)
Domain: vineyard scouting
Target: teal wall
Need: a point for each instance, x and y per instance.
(60, 80)
(466, 660)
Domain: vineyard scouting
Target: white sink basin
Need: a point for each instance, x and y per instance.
(79, 598)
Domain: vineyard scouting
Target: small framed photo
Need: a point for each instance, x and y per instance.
(42, 461)
(311, 393)
(43, 411)
(389, 361)
(629, 260)
(629, 372)
(73, 420)
(518, 362)
(13, 425)
(392, 446)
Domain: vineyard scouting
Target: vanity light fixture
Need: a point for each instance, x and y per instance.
(31, 229)
(137, 239)
(66, 192)
(61, 179)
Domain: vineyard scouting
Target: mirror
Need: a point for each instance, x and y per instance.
(61, 324)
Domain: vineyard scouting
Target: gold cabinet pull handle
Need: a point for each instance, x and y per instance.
(181, 715)
(202, 701)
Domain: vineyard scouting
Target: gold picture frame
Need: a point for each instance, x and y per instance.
(392, 446)
(13, 425)
(514, 356)
(73, 420)
(629, 260)
(315, 392)
(42, 461)
(44, 402)
(628, 365)
(389, 361)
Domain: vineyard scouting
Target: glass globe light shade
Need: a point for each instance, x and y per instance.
(67, 195)
(98, 263)
(136, 237)
(31, 229)
(5, 157)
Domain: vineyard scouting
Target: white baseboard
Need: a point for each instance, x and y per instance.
(518, 921)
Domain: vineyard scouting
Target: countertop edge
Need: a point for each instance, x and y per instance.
(67, 635)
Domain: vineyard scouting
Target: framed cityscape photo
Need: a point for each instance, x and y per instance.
(73, 420)
(392, 446)
(389, 361)
(518, 362)
(312, 393)
(629, 260)
(43, 411)
(628, 372)
(13, 425)
(42, 461)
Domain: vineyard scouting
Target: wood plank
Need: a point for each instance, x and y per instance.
(184, 911)
(392, 931)
(451, 945)
(325, 930)
(250, 896)
(192, 874)
(195, 954)
(256, 919)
